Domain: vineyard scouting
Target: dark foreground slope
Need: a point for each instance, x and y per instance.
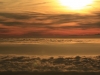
(49, 73)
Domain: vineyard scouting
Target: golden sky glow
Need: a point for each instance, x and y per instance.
(49, 17)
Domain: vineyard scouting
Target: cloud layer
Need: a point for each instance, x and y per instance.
(38, 24)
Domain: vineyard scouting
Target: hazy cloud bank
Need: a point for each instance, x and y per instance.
(48, 41)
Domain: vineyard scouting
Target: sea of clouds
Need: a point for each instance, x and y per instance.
(19, 63)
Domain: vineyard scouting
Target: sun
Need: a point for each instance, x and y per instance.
(76, 4)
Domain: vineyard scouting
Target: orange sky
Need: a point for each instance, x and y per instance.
(47, 18)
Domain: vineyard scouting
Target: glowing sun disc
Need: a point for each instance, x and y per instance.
(75, 4)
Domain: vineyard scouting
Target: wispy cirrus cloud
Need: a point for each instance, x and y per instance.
(1, 2)
(41, 3)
